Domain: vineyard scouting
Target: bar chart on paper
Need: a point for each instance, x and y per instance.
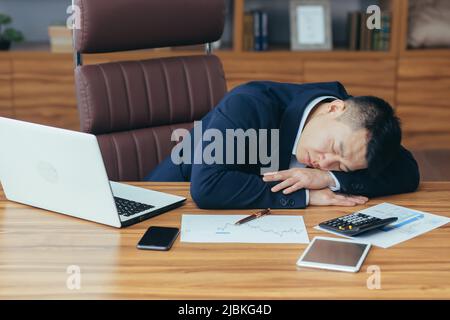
(222, 229)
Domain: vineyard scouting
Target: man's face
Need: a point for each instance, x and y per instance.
(329, 144)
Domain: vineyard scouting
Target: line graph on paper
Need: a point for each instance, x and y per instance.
(222, 229)
(229, 227)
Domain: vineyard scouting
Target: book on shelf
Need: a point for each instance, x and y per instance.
(353, 30)
(386, 31)
(248, 38)
(361, 38)
(255, 37)
(264, 31)
(381, 38)
(376, 40)
(365, 33)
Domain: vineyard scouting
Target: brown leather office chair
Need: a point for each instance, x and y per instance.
(133, 107)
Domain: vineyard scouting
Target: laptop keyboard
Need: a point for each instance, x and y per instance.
(129, 208)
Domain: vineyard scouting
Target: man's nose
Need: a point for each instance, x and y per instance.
(325, 162)
(316, 160)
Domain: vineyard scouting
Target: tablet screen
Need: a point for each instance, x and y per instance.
(335, 252)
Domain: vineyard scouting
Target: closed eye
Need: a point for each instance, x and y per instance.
(333, 147)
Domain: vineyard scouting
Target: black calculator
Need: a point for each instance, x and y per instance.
(355, 223)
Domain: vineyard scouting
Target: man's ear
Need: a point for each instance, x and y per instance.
(336, 107)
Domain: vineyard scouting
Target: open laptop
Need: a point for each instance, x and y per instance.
(63, 171)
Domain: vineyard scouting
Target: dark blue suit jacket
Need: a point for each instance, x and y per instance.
(272, 105)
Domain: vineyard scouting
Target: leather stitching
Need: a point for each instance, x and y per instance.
(117, 155)
(210, 80)
(128, 95)
(158, 155)
(108, 91)
(139, 155)
(188, 84)
(211, 99)
(167, 86)
(147, 93)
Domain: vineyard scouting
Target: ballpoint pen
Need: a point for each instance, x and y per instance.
(254, 216)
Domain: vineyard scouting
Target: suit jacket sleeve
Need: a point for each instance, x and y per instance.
(225, 186)
(401, 176)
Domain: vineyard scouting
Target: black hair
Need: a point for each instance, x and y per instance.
(378, 118)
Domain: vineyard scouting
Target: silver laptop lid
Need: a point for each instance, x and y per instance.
(55, 169)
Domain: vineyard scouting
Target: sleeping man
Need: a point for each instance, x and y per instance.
(281, 145)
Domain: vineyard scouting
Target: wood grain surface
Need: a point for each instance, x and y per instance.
(44, 90)
(423, 94)
(367, 77)
(36, 248)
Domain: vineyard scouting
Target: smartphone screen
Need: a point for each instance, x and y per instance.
(158, 238)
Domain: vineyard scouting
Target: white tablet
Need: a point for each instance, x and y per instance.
(334, 254)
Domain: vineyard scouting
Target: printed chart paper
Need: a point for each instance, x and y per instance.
(222, 229)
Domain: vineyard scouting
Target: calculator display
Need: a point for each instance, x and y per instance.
(335, 252)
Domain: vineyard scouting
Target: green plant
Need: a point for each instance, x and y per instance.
(9, 34)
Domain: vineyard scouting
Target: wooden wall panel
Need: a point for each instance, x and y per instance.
(425, 128)
(239, 70)
(424, 81)
(424, 91)
(360, 77)
(423, 94)
(6, 105)
(39, 87)
(44, 90)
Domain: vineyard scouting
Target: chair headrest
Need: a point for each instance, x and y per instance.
(121, 25)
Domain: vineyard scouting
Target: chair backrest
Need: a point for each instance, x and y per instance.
(133, 106)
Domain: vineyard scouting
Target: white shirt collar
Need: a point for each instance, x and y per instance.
(308, 110)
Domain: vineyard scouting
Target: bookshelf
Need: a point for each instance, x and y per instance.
(37, 85)
(278, 12)
(233, 33)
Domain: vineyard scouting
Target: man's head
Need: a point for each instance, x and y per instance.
(358, 133)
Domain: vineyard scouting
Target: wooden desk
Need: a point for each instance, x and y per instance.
(36, 247)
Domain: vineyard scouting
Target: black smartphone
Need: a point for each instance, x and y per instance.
(158, 238)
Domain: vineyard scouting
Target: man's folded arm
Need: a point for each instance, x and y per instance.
(230, 185)
(400, 176)
(214, 187)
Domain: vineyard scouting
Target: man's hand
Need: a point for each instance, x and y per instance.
(326, 197)
(299, 178)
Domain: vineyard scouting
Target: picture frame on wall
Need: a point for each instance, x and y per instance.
(310, 22)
